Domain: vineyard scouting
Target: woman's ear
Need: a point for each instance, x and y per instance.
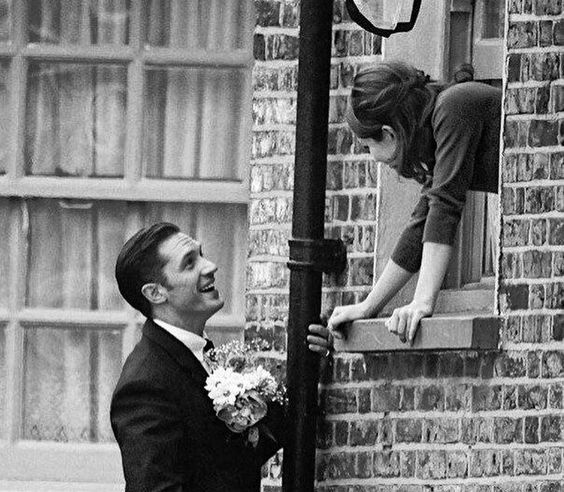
(154, 293)
(390, 143)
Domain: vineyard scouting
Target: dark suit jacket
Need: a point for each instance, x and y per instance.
(164, 422)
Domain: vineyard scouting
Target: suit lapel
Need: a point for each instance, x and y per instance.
(177, 351)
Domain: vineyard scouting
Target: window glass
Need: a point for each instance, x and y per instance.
(5, 249)
(204, 24)
(69, 376)
(80, 22)
(75, 120)
(5, 19)
(493, 19)
(4, 121)
(192, 123)
(3, 380)
(73, 245)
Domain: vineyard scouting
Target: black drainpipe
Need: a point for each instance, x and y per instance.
(310, 253)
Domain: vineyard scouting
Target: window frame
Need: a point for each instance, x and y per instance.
(99, 462)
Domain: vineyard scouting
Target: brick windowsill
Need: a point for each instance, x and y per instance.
(452, 331)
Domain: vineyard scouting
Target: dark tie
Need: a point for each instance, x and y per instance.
(209, 345)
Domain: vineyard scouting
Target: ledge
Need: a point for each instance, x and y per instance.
(468, 331)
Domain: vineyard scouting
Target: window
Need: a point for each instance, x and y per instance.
(116, 114)
(476, 36)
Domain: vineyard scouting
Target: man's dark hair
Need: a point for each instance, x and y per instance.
(139, 263)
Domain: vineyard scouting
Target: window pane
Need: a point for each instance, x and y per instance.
(205, 24)
(73, 246)
(192, 123)
(221, 229)
(493, 19)
(5, 121)
(69, 376)
(75, 120)
(3, 380)
(5, 212)
(5, 19)
(81, 22)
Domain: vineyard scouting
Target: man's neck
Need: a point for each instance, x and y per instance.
(193, 326)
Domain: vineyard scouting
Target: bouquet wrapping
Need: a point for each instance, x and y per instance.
(241, 389)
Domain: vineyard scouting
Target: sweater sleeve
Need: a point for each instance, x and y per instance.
(409, 248)
(457, 127)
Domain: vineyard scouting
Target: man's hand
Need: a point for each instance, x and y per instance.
(405, 320)
(320, 340)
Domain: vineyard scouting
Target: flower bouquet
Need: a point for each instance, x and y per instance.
(241, 389)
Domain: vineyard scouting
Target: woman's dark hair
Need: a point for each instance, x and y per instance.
(395, 94)
(139, 263)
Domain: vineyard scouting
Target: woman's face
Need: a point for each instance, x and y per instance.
(385, 150)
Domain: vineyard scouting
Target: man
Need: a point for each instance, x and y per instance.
(164, 422)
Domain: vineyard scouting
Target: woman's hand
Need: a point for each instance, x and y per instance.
(405, 320)
(342, 315)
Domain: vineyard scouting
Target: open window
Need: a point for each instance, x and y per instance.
(476, 37)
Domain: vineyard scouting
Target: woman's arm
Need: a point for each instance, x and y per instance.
(405, 320)
(393, 278)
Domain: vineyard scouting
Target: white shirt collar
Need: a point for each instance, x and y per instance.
(194, 342)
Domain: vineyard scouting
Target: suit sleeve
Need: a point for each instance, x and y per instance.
(149, 432)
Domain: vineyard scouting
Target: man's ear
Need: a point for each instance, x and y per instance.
(155, 293)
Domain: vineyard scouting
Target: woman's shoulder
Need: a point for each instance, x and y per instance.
(467, 100)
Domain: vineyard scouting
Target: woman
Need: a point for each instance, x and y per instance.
(445, 137)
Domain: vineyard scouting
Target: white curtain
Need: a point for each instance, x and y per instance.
(491, 235)
(4, 122)
(192, 115)
(76, 113)
(69, 376)
(70, 373)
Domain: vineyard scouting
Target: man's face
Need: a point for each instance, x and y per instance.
(190, 278)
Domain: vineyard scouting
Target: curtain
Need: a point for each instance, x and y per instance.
(5, 19)
(192, 116)
(491, 235)
(4, 122)
(3, 380)
(75, 116)
(5, 214)
(69, 376)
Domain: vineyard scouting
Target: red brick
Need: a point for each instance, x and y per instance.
(551, 428)
(522, 34)
(408, 430)
(530, 462)
(532, 397)
(364, 432)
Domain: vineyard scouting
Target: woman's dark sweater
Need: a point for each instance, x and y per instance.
(465, 143)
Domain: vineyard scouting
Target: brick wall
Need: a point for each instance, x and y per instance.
(414, 422)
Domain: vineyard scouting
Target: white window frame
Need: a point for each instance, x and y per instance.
(96, 463)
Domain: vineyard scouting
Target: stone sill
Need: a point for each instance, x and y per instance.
(452, 331)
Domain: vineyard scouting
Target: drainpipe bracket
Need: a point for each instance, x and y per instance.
(320, 255)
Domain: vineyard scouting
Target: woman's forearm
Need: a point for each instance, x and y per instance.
(393, 278)
(434, 264)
